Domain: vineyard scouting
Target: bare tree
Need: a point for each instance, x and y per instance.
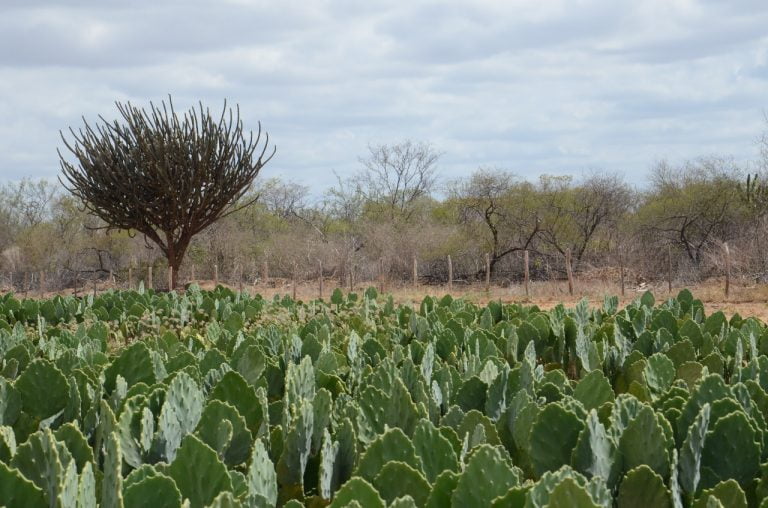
(165, 176)
(694, 206)
(575, 213)
(397, 176)
(283, 199)
(506, 207)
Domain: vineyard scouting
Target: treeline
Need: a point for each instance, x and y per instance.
(398, 209)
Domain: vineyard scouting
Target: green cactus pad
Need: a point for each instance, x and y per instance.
(393, 445)
(398, 479)
(434, 450)
(16, 490)
(160, 489)
(644, 442)
(593, 390)
(261, 478)
(641, 488)
(43, 389)
(198, 472)
(548, 454)
(487, 475)
(360, 491)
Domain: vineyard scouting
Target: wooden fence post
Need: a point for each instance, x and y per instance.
(170, 279)
(569, 271)
(215, 275)
(381, 276)
(130, 277)
(526, 273)
(727, 270)
(669, 268)
(450, 274)
(415, 272)
(320, 280)
(293, 277)
(487, 272)
(42, 283)
(621, 272)
(149, 277)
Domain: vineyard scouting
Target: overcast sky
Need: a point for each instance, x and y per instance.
(534, 86)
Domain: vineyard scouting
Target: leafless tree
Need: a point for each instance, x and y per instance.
(693, 206)
(505, 206)
(575, 213)
(398, 175)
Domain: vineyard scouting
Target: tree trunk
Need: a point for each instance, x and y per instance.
(173, 266)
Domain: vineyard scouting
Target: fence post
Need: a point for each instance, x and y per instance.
(621, 271)
(170, 278)
(487, 272)
(320, 263)
(42, 283)
(293, 277)
(415, 272)
(669, 268)
(569, 271)
(526, 273)
(215, 275)
(149, 277)
(450, 274)
(727, 270)
(381, 276)
(130, 278)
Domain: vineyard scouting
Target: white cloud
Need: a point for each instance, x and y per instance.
(556, 86)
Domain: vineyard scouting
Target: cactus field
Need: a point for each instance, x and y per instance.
(221, 399)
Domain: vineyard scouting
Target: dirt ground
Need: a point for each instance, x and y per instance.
(748, 299)
(745, 299)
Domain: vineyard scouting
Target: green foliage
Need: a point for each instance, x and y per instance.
(593, 390)
(160, 489)
(398, 479)
(16, 490)
(360, 491)
(261, 478)
(486, 476)
(43, 389)
(198, 472)
(549, 454)
(362, 403)
(641, 488)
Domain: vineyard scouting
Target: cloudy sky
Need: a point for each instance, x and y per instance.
(534, 86)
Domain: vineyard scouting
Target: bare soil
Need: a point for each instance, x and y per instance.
(745, 298)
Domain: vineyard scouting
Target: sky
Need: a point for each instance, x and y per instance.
(532, 86)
